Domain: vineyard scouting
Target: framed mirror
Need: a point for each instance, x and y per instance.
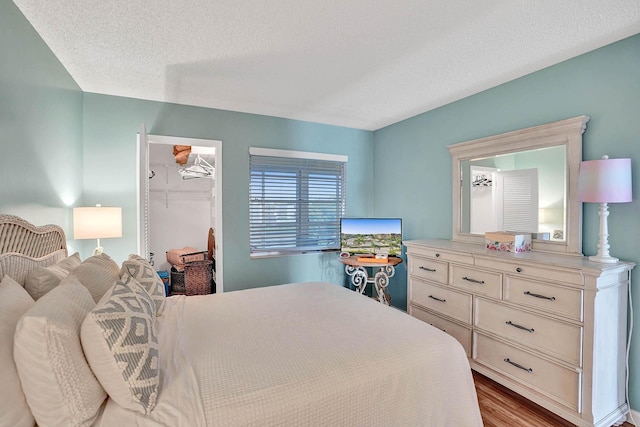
(525, 181)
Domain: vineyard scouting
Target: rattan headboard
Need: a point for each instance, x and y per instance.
(24, 246)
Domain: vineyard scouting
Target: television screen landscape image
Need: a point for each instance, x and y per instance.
(371, 235)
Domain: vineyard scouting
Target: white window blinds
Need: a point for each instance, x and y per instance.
(296, 201)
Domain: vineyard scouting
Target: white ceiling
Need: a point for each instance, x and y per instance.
(357, 63)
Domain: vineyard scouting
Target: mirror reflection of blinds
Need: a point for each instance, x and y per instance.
(295, 204)
(519, 194)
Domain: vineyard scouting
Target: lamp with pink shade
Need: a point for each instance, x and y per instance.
(604, 181)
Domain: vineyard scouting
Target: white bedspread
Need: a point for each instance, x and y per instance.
(308, 354)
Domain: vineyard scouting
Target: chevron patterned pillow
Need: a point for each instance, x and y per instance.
(143, 272)
(121, 345)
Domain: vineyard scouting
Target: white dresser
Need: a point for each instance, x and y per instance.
(551, 327)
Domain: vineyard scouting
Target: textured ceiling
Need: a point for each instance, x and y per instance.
(357, 63)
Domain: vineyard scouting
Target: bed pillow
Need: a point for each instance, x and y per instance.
(140, 269)
(14, 302)
(98, 274)
(60, 388)
(120, 341)
(41, 280)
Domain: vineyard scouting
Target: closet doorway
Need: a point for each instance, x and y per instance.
(180, 199)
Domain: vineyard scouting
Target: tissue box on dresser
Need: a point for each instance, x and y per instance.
(507, 241)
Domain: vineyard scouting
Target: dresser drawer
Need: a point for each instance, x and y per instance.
(429, 269)
(553, 380)
(558, 339)
(479, 282)
(446, 301)
(459, 257)
(460, 333)
(559, 300)
(548, 273)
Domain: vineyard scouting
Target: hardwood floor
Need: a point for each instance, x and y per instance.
(501, 407)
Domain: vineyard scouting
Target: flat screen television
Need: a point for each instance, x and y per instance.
(371, 235)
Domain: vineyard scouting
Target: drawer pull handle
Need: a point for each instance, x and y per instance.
(517, 365)
(519, 270)
(437, 299)
(481, 282)
(437, 255)
(443, 330)
(433, 270)
(539, 296)
(515, 325)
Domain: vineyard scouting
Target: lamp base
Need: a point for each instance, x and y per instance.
(603, 259)
(603, 245)
(98, 250)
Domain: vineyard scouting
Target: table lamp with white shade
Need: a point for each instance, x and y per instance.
(97, 222)
(604, 181)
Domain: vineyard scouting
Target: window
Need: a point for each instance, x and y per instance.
(296, 200)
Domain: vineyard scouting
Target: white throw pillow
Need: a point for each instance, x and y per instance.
(60, 387)
(140, 269)
(41, 280)
(69, 263)
(14, 302)
(98, 274)
(120, 341)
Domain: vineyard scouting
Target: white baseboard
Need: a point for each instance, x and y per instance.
(636, 417)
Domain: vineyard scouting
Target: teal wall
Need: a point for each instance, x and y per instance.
(603, 84)
(110, 125)
(40, 127)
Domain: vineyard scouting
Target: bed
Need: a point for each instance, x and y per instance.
(313, 354)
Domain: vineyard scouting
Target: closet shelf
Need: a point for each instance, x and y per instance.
(166, 190)
(180, 195)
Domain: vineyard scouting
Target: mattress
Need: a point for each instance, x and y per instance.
(303, 354)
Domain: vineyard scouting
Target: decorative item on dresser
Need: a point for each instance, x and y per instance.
(551, 327)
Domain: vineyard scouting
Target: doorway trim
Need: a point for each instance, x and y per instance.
(176, 140)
